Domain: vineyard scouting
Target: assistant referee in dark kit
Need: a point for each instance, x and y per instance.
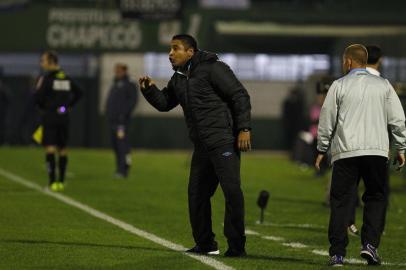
(56, 93)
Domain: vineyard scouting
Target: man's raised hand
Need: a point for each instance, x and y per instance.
(145, 82)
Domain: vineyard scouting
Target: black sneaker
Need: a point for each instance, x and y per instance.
(235, 253)
(370, 253)
(213, 250)
(336, 260)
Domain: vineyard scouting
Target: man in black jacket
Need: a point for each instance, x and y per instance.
(56, 93)
(218, 114)
(120, 103)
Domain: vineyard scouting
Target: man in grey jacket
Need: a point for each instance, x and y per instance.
(356, 116)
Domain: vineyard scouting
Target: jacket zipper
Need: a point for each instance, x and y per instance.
(194, 124)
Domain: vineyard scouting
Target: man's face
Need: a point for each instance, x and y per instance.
(119, 72)
(179, 55)
(44, 63)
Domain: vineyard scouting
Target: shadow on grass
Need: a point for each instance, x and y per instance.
(78, 244)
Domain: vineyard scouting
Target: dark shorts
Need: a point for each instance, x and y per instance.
(56, 135)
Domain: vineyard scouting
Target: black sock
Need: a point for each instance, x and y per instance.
(63, 161)
(50, 161)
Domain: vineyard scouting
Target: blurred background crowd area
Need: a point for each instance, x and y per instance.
(286, 53)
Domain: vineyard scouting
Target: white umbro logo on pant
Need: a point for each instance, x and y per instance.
(227, 154)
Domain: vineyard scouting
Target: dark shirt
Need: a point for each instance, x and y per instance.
(55, 94)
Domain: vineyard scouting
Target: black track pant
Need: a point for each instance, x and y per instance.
(121, 149)
(346, 175)
(208, 169)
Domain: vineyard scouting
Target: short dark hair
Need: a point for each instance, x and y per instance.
(52, 56)
(374, 54)
(122, 66)
(187, 40)
(357, 52)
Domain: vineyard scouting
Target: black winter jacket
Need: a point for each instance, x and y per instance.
(215, 104)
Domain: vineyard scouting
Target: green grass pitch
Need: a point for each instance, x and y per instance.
(40, 232)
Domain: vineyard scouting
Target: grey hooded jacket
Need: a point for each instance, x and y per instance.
(358, 112)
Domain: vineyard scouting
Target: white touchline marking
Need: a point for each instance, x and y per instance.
(299, 245)
(121, 224)
(320, 252)
(347, 260)
(290, 225)
(249, 232)
(394, 264)
(273, 238)
(352, 260)
(294, 245)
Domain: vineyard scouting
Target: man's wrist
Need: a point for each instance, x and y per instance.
(245, 130)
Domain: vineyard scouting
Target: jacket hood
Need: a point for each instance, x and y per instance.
(203, 56)
(197, 58)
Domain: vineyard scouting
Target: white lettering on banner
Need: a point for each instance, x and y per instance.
(150, 5)
(91, 28)
(89, 36)
(83, 15)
